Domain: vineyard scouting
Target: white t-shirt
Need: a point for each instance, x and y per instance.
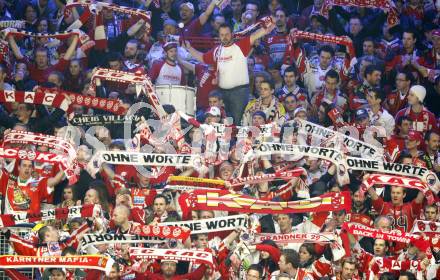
(231, 63)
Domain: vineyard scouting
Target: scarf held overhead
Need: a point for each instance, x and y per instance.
(212, 225)
(85, 211)
(223, 200)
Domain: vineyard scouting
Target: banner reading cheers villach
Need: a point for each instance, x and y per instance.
(102, 262)
(224, 200)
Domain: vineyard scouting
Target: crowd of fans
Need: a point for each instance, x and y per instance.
(392, 82)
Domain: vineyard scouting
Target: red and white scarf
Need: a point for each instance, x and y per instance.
(85, 211)
(395, 235)
(223, 200)
(426, 227)
(321, 238)
(18, 24)
(96, 7)
(195, 256)
(163, 231)
(84, 40)
(340, 40)
(102, 263)
(387, 5)
(399, 181)
(142, 82)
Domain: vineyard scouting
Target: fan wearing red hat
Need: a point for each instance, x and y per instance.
(168, 71)
(422, 119)
(412, 143)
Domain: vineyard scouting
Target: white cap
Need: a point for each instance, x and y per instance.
(214, 111)
(418, 91)
(189, 5)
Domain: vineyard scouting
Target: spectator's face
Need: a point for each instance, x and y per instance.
(253, 10)
(412, 99)
(348, 271)
(169, 30)
(325, 59)
(130, 50)
(282, 264)
(67, 194)
(379, 248)
(397, 195)
(203, 4)
(186, 13)
(289, 79)
(30, 14)
(290, 104)
(433, 142)
(362, 67)
(143, 180)
(51, 235)
(115, 65)
(368, 48)
(371, 99)
(280, 18)
(355, 26)
(285, 223)
(321, 114)
(226, 172)
(225, 35)
(74, 68)
(53, 78)
(214, 101)
(202, 241)
(265, 91)
(159, 206)
(405, 127)
(384, 224)
(331, 84)
(91, 197)
(211, 119)
(374, 78)
(257, 120)
(57, 275)
(358, 199)
(257, 84)
(252, 275)
(23, 114)
(42, 26)
(317, 3)
(41, 59)
(119, 217)
(123, 199)
(304, 255)
(168, 268)
(206, 215)
(172, 54)
(114, 274)
(431, 213)
(402, 83)
(236, 6)
(408, 40)
(301, 115)
(219, 20)
(25, 169)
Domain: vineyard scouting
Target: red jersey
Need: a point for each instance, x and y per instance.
(276, 45)
(395, 102)
(41, 75)
(24, 196)
(421, 122)
(206, 84)
(402, 216)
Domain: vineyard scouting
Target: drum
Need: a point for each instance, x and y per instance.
(181, 97)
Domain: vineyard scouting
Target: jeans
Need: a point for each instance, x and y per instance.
(235, 100)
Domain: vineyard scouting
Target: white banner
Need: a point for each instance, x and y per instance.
(212, 225)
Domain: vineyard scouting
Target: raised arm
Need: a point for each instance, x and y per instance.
(14, 47)
(262, 32)
(203, 18)
(53, 181)
(187, 65)
(71, 50)
(195, 53)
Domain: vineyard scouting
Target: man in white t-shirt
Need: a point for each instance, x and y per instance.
(167, 71)
(230, 62)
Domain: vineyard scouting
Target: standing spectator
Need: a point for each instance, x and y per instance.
(431, 155)
(422, 119)
(398, 98)
(276, 42)
(231, 63)
(168, 71)
(378, 115)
